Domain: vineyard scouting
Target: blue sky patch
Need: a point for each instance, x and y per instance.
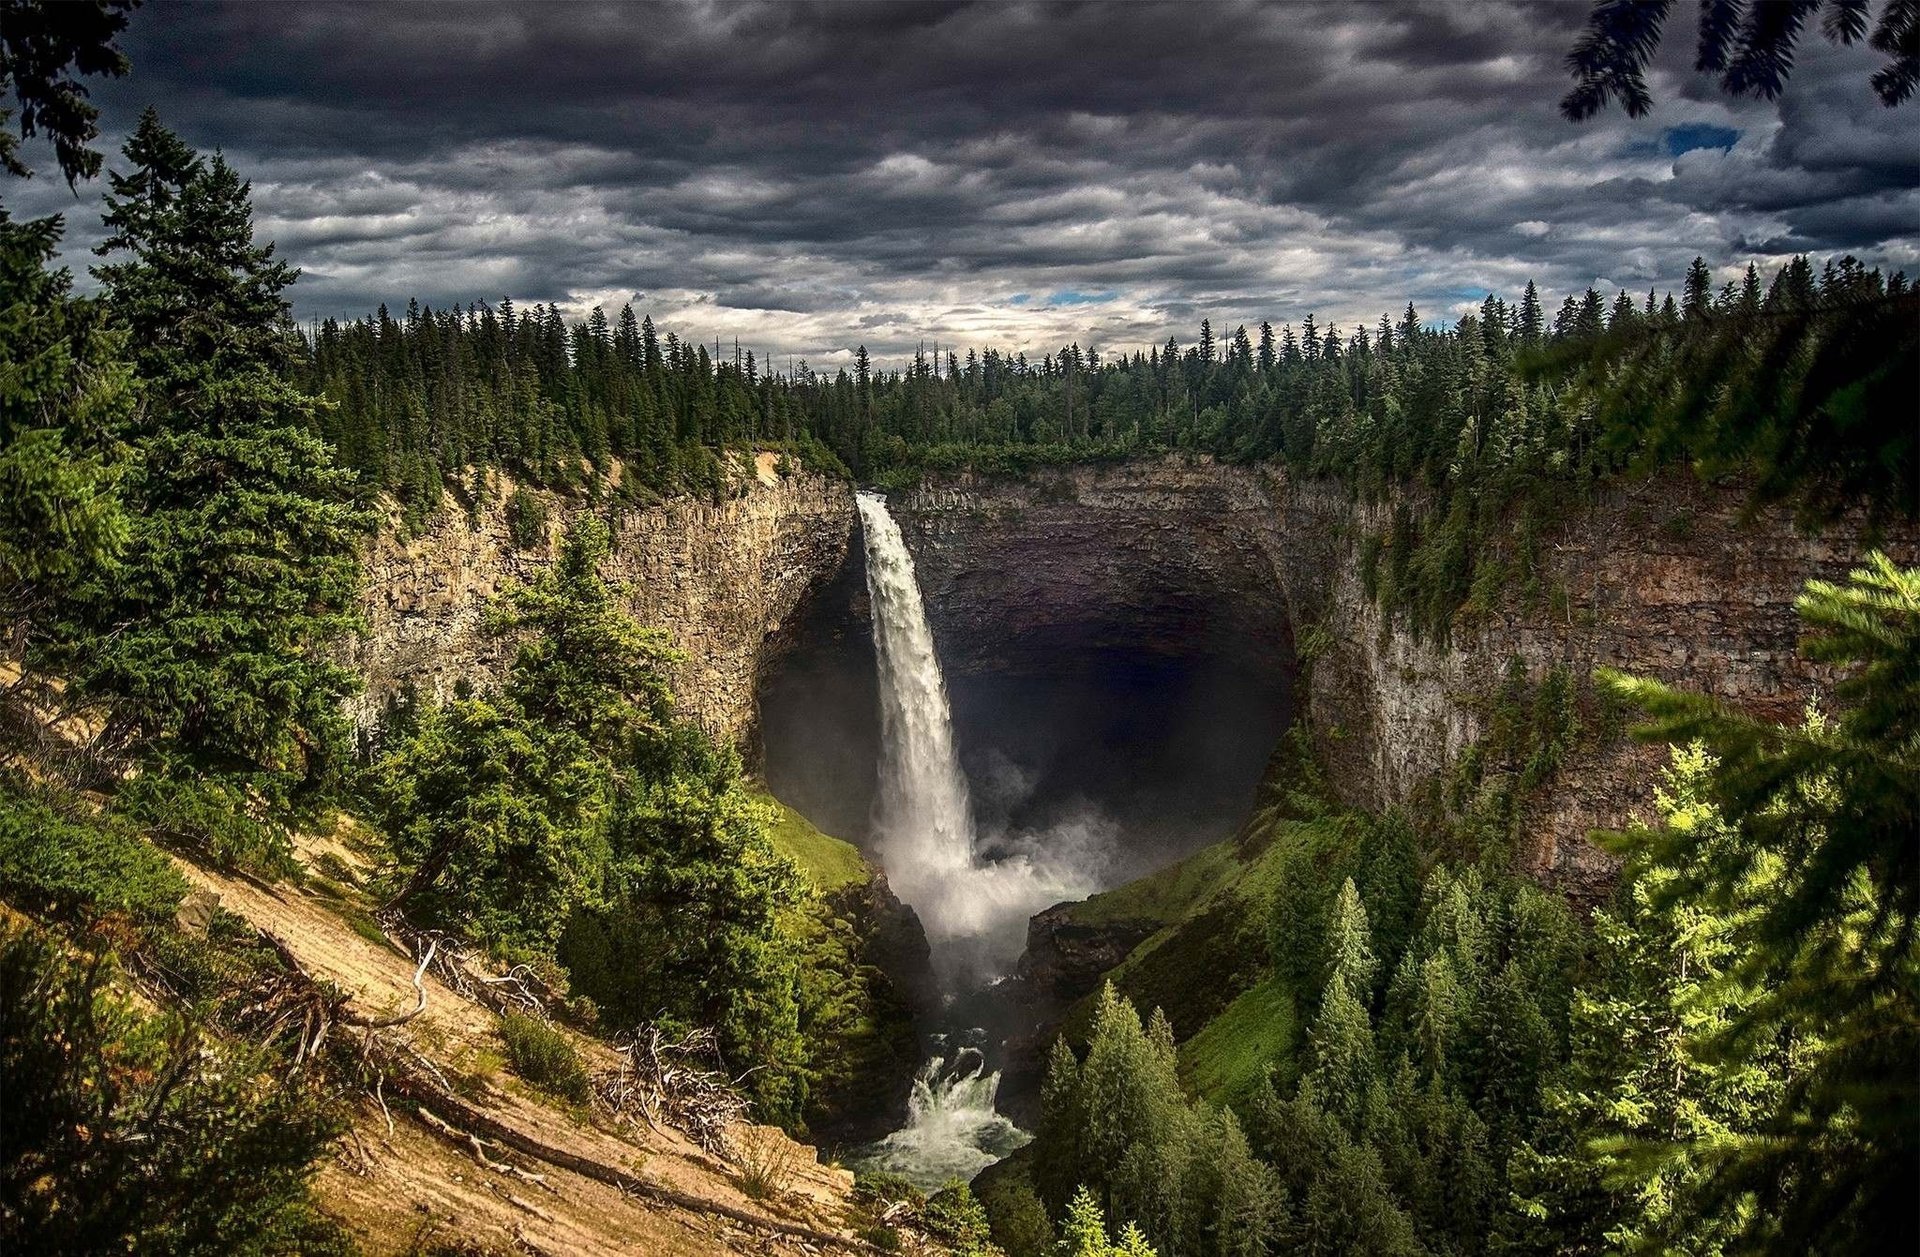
(1071, 297)
(1684, 139)
(1019, 299)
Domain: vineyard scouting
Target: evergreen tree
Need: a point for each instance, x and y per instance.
(1824, 816)
(209, 642)
(1642, 1089)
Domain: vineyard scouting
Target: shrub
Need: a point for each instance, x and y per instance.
(768, 1160)
(956, 1219)
(123, 1133)
(526, 519)
(211, 819)
(81, 866)
(544, 1057)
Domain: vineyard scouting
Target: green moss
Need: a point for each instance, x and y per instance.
(1231, 1054)
(827, 863)
(1169, 895)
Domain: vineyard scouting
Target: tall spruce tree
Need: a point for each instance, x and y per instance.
(208, 644)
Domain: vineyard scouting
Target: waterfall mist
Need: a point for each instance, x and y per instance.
(973, 898)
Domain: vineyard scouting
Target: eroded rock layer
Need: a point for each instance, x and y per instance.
(719, 579)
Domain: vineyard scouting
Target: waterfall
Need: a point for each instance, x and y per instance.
(974, 910)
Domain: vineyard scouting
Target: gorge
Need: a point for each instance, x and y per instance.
(1124, 647)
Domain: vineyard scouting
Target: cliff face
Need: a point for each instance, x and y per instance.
(1029, 576)
(1662, 578)
(1167, 559)
(719, 579)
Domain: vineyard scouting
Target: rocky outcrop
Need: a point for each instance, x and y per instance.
(1661, 577)
(718, 578)
(1066, 958)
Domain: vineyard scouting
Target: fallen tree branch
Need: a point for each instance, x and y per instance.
(479, 1149)
(420, 988)
(673, 1082)
(454, 1111)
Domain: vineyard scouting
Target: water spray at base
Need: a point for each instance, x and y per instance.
(952, 1130)
(974, 910)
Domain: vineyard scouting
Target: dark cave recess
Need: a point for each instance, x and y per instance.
(1150, 718)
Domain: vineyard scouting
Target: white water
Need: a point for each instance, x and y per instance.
(974, 911)
(952, 1130)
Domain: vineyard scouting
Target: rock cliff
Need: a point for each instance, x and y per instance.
(1660, 577)
(719, 579)
(1027, 576)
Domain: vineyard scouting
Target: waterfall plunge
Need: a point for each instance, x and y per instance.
(974, 911)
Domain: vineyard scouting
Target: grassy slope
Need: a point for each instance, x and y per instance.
(1208, 964)
(828, 863)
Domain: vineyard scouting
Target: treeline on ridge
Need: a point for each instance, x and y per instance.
(1478, 431)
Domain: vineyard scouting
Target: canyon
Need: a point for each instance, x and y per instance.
(1034, 577)
(1126, 644)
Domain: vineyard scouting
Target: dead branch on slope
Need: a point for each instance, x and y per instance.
(674, 1082)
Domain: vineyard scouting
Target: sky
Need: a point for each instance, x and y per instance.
(807, 178)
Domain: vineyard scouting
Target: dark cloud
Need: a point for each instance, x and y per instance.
(805, 175)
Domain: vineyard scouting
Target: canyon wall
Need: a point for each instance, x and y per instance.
(1029, 575)
(1660, 577)
(719, 578)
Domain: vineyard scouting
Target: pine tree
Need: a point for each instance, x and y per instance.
(1351, 958)
(1641, 1089)
(209, 643)
(1083, 1232)
(1824, 816)
(1341, 1056)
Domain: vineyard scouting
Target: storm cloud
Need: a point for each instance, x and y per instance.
(811, 177)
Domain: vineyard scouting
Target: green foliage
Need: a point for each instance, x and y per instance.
(492, 816)
(42, 48)
(1016, 1217)
(208, 642)
(954, 1218)
(1118, 1138)
(121, 1132)
(1228, 1058)
(828, 864)
(1810, 881)
(691, 922)
(57, 860)
(1083, 1233)
(64, 390)
(526, 519)
(1615, 1156)
(544, 1056)
(211, 818)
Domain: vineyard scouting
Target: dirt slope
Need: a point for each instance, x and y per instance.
(406, 1183)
